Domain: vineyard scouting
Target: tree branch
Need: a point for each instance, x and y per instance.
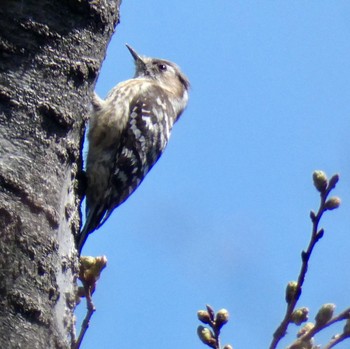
(324, 187)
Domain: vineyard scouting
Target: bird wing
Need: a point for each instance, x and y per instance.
(142, 143)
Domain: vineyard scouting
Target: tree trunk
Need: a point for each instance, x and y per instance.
(50, 55)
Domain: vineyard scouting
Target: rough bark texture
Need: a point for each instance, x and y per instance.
(50, 56)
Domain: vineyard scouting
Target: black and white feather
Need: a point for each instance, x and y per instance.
(128, 133)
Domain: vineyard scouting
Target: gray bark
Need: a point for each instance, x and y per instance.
(50, 56)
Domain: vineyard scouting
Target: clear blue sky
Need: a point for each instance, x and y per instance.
(223, 216)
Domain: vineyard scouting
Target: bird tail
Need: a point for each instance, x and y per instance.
(81, 239)
(93, 219)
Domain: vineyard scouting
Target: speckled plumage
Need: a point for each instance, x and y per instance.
(128, 133)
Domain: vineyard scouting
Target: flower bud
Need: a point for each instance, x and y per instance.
(299, 316)
(305, 329)
(332, 203)
(324, 314)
(210, 312)
(320, 181)
(90, 269)
(206, 336)
(203, 316)
(333, 181)
(221, 318)
(227, 346)
(291, 290)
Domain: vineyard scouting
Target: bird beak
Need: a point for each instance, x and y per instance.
(135, 55)
(141, 67)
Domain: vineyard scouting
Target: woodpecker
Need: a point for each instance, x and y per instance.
(128, 132)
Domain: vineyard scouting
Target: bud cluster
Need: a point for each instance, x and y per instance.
(89, 272)
(306, 333)
(91, 268)
(210, 336)
(324, 186)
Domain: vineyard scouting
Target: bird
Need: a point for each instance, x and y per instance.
(128, 132)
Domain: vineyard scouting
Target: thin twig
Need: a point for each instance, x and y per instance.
(316, 235)
(85, 325)
(336, 340)
(217, 337)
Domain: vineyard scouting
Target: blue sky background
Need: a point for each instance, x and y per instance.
(223, 216)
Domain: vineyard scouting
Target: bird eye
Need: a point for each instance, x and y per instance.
(162, 67)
